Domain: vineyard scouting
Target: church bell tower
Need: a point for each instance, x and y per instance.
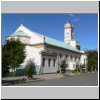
(68, 35)
(68, 32)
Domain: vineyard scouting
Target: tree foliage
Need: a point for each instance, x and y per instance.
(92, 59)
(5, 61)
(13, 54)
(63, 66)
(30, 69)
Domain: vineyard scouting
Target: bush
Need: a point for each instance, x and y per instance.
(89, 68)
(58, 71)
(30, 69)
(63, 66)
(77, 69)
(82, 68)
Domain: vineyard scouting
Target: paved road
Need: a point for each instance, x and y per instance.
(88, 79)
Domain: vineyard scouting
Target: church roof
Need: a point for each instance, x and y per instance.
(23, 31)
(51, 41)
(57, 43)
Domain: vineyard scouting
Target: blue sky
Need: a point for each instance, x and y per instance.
(52, 25)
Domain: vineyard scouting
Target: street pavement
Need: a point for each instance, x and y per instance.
(87, 79)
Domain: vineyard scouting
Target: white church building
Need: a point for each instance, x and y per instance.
(48, 53)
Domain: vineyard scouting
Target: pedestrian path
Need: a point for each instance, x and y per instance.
(49, 76)
(43, 76)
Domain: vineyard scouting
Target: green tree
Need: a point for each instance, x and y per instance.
(13, 54)
(5, 61)
(30, 69)
(92, 59)
(63, 66)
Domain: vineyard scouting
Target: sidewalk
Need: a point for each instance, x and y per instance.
(43, 76)
(22, 79)
(49, 76)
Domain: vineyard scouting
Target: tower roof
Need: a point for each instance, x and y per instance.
(68, 24)
(69, 20)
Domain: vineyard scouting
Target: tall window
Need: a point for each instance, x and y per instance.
(43, 63)
(49, 62)
(54, 63)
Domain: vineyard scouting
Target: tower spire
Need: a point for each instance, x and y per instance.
(68, 19)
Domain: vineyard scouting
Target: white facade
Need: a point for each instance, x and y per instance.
(49, 57)
(83, 60)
